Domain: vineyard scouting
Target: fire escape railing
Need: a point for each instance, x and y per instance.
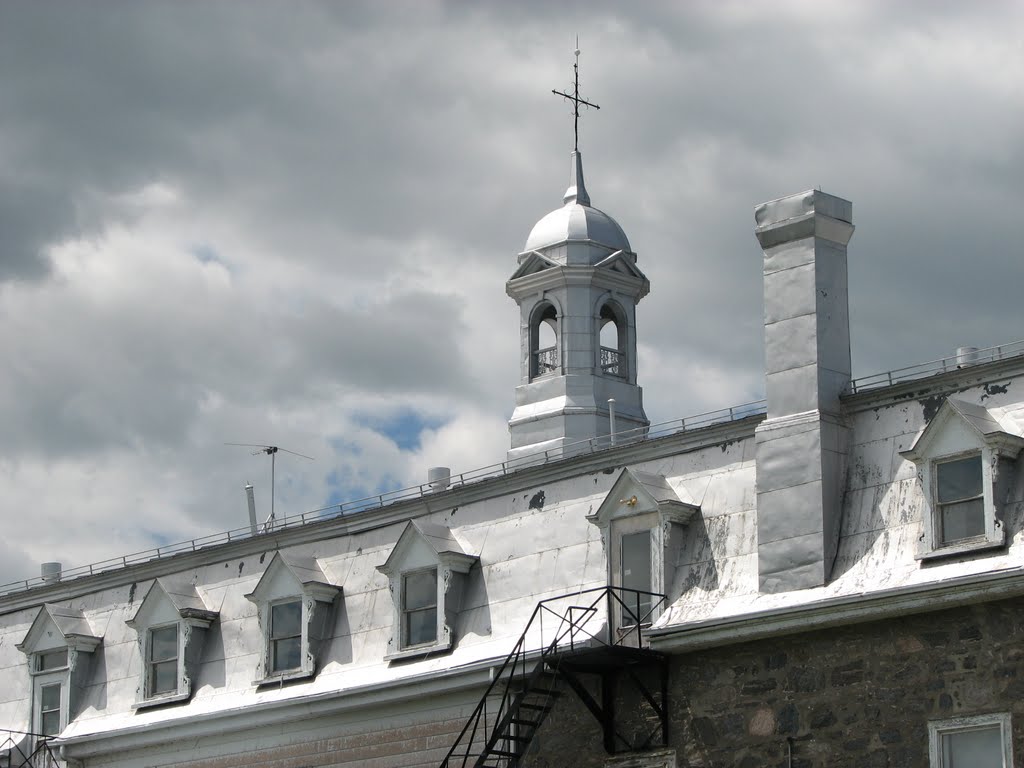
(498, 731)
(29, 750)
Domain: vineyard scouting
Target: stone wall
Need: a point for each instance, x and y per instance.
(853, 696)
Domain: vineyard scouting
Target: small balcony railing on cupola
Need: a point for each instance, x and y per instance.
(545, 361)
(613, 362)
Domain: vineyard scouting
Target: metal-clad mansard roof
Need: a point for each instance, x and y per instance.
(577, 220)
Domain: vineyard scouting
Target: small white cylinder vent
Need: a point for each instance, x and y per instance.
(50, 572)
(439, 478)
(966, 356)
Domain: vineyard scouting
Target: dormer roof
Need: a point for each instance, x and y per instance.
(976, 419)
(71, 625)
(438, 538)
(635, 493)
(305, 573)
(182, 595)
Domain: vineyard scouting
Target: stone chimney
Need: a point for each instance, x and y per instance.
(802, 446)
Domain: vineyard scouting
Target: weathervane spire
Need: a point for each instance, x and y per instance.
(574, 97)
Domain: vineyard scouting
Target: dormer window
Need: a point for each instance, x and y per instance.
(163, 660)
(965, 461)
(286, 636)
(47, 661)
(427, 573)
(59, 646)
(171, 623)
(641, 521)
(295, 602)
(960, 499)
(419, 608)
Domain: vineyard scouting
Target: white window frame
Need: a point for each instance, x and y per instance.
(150, 662)
(960, 430)
(406, 611)
(938, 728)
(289, 579)
(273, 638)
(58, 629)
(640, 501)
(937, 465)
(168, 603)
(642, 523)
(932, 544)
(422, 547)
(54, 676)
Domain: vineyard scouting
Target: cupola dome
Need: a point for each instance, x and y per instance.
(577, 220)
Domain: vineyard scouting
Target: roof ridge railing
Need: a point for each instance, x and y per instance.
(376, 501)
(933, 367)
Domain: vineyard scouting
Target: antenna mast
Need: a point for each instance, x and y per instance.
(271, 451)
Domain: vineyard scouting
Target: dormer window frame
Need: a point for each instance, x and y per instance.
(166, 604)
(638, 502)
(58, 630)
(294, 579)
(421, 548)
(45, 678)
(960, 431)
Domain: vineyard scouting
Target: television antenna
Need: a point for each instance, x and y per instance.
(271, 451)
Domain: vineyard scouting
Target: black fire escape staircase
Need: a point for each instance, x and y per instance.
(593, 635)
(28, 750)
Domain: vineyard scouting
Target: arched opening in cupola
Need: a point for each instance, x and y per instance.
(543, 340)
(612, 323)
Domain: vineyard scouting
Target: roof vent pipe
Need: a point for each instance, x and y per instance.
(252, 507)
(966, 356)
(439, 478)
(611, 420)
(50, 572)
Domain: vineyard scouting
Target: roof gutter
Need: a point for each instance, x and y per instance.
(839, 611)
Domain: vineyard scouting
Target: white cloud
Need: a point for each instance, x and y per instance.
(270, 226)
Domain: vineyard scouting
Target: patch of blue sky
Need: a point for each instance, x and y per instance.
(403, 426)
(205, 254)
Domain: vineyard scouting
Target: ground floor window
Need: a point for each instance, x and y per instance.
(983, 741)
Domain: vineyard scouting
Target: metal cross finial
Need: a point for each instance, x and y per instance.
(575, 98)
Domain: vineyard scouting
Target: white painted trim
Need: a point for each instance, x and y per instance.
(837, 611)
(936, 728)
(254, 716)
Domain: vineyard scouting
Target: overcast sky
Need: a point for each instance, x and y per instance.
(291, 223)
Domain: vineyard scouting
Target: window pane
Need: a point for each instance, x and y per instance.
(286, 619)
(163, 643)
(636, 574)
(285, 654)
(420, 590)
(420, 627)
(50, 723)
(49, 709)
(976, 748)
(163, 677)
(53, 660)
(49, 697)
(960, 479)
(962, 520)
